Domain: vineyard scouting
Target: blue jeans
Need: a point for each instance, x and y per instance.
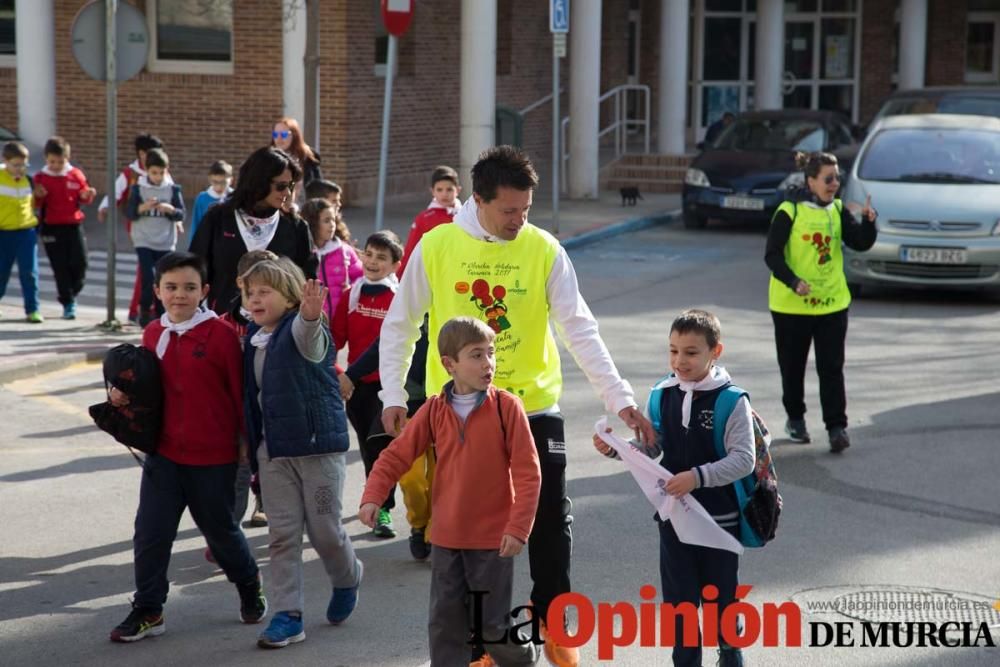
(22, 246)
(208, 492)
(147, 260)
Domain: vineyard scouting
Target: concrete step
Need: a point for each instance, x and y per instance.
(654, 160)
(644, 171)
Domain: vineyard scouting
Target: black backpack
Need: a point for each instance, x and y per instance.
(134, 371)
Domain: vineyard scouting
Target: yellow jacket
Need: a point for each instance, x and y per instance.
(16, 203)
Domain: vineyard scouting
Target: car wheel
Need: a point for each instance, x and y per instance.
(694, 221)
(855, 289)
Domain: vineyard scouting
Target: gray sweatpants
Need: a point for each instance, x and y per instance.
(305, 492)
(455, 572)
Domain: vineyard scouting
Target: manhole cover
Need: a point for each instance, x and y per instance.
(904, 604)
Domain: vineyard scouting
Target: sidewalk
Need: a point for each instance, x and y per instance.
(27, 350)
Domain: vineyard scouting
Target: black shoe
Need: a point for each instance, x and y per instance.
(419, 548)
(730, 657)
(839, 441)
(139, 624)
(253, 604)
(796, 430)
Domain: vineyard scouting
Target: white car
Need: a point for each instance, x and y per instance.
(935, 181)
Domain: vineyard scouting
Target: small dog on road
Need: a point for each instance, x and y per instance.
(630, 195)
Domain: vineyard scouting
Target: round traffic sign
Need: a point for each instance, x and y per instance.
(131, 40)
(397, 15)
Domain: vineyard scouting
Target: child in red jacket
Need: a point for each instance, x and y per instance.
(200, 444)
(357, 323)
(442, 209)
(60, 188)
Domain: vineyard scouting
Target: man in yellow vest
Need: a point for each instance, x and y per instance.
(493, 264)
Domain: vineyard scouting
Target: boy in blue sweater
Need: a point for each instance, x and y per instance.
(220, 178)
(686, 441)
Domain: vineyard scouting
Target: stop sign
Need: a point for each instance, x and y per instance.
(397, 15)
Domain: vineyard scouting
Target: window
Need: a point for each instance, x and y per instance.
(190, 36)
(982, 48)
(8, 38)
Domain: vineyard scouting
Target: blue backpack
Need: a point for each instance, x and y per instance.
(756, 494)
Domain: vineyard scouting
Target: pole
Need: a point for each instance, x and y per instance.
(383, 162)
(111, 12)
(556, 148)
(312, 63)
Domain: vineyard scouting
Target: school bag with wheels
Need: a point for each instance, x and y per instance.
(756, 494)
(134, 371)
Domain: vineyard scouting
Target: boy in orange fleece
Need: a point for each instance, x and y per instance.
(483, 500)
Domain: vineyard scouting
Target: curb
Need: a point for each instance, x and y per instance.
(617, 229)
(53, 363)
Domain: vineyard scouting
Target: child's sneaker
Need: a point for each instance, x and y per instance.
(730, 657)
(69, 311)
(139, 624)
(35, 318)
(796, 430)
(284, 629)
(383, 525)
(419, 548)
(561, 656)
(484, 661)
(344, 600)
(253, 604)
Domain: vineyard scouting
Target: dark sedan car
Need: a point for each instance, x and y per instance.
(744, 174)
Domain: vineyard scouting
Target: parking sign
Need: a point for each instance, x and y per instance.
(559, 16)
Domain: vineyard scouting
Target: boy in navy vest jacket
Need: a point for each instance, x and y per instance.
(686, 441)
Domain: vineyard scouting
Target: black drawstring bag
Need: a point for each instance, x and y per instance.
(134, 371)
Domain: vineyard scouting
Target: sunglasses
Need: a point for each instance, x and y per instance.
(284, 134)
(282, 186)
(831, 179)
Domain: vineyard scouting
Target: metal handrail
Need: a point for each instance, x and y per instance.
(537, 103)
(620, 125)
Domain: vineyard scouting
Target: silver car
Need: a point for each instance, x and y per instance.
(935, 182)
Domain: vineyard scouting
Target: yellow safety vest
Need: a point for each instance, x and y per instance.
(16, 203)
(504, 285)
(814, 254)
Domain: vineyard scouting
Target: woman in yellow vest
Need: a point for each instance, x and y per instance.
(808, 295)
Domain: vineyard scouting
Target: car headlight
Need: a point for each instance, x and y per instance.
(796, 179)
(697, 178)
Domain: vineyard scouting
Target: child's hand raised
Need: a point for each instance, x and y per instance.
(313, 297)
(367, 514)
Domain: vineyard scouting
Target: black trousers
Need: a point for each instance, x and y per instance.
(793, 335)
(209, 493)
(364, 411)
(551, 542)
(67, 250)
(685, 570)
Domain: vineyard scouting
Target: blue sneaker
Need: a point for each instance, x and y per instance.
(344, 600)
(69, 311)
(284, 629)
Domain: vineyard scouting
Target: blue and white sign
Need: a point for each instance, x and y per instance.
(559, 16)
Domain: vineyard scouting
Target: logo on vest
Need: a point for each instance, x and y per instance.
(556, 447)
(706, 419)
(490, 302)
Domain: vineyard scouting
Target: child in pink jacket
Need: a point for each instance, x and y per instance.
(339, 266)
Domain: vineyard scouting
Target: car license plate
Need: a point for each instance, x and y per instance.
(743, 203)
(934, 255)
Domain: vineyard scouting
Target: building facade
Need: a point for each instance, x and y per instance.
(220, 72)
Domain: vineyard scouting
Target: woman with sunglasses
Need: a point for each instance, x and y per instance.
(287, 135)
(808, 295)
(254, 217)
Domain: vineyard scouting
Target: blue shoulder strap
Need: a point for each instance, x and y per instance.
(725, 403)
(654, 404)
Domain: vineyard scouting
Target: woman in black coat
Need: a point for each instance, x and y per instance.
(253, 218)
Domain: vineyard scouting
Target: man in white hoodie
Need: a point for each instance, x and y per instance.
(492, 263)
